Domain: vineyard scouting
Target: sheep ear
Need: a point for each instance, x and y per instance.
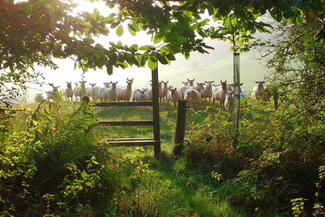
(205, 81)
(256, 82)
(188, 79)
(167, 82)
(241, 84)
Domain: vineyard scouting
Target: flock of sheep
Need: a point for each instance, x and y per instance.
(193, 93)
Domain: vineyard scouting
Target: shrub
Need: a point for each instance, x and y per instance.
(52, 165)
(277, 158)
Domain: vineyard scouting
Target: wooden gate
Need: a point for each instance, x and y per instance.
(155, 140)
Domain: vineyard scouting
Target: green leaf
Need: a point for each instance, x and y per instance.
(298, 20)
(157, 38)
(119, 30)
(227, 23)
(152, 63)
(109, 69)
(132, 29)
(162, 59)
(84, 174)
(170, 56)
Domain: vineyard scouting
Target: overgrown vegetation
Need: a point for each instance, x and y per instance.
(50, 164)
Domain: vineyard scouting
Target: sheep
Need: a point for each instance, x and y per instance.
(207, 91)
(89, 89)
(136, 96)
(220, 93)
(185, 83)
(110, 93)
(199, 87)
(53, 92)
(184, 89)
(190, 82)
(165, 89)
(39, 97)
(139, 95)
(95, 93)
(125, 93)
(103, 89)
(80, 91)
(69, 91)
(147, 95)
(160, 91)
(229, 101)
(174, 95)
(193, 97)
(258, 89)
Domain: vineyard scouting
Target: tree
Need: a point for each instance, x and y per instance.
(34, 32)
(297, 58)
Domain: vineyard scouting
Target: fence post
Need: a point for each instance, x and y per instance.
(181, 122)
(155, 111)
(236, 99)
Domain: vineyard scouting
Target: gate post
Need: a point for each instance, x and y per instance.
(181, 122)
(155, 111)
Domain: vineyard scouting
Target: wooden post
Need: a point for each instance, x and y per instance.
(236, 74)
(155, 109)
(181, 122)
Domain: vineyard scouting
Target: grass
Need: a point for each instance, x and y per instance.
(172, 187)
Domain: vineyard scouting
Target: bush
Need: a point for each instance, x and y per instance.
(52, 165)
(277, 158)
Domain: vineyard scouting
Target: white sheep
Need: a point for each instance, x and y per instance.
(125, 93)
(258, 89)
(165, 89)
(69, 91)
(160, 91)
(220, 93)
(184, 89)
(39, 97)
(95, 93)
(207, 92)
(193, 97)
(138, 95)
(109, 93)
(89, 89)
(103, 89)
(174, 95)
(229, 101)
(190, 82)
(147, 94)
(80, 91)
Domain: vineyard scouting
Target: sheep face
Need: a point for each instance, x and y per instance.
(223, 84)
(69, 85)
(260, 84)
(190, 82)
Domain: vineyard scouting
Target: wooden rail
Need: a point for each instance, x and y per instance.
(107, 104)
(126, 123)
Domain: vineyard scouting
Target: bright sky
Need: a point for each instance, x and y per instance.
(214, 66)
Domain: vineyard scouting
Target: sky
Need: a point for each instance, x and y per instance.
(217, 65)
